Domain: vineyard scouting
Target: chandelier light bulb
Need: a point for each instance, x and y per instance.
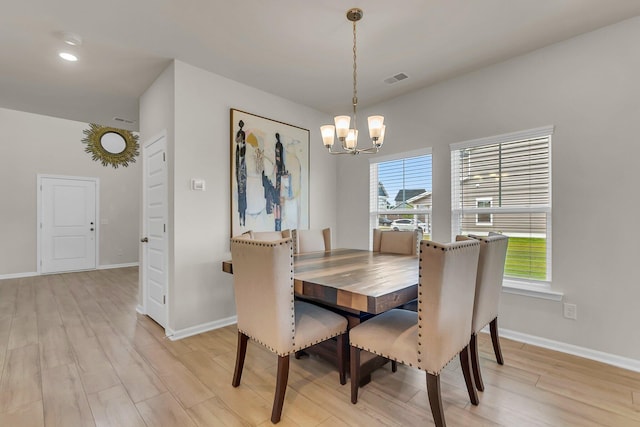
(327, 135)
(352, 139)
(375, 126)
(342, 125)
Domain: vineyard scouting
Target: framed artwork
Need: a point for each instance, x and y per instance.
(269, 174)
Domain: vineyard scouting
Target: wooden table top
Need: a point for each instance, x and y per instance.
(355, 280)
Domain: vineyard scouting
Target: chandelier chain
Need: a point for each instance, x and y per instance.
(355, 76)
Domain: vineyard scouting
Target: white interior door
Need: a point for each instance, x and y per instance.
(155, 229)
(68, 232)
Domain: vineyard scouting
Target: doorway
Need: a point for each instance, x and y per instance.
(67, 223)
(155, 213)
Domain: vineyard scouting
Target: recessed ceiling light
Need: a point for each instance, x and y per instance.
(71, 39)
(68, 56)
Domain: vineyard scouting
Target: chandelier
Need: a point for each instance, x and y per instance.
(348, 136)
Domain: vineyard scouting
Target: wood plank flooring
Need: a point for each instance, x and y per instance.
(74, 352)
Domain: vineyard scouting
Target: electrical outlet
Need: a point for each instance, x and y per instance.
(570, 311)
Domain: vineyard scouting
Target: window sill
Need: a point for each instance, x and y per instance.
(535, 291)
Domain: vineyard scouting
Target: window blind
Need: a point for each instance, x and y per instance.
(400, 188)
(504, 185)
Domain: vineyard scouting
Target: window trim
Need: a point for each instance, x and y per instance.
(400, 156)
(535, 133)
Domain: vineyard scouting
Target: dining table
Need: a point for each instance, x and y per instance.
(357, 281)
(358, 284)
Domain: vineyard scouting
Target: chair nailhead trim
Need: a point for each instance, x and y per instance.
(386, 356)
(459, 245)
(298, 348)
(270, 244)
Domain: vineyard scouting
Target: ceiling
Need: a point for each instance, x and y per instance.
(299, 50)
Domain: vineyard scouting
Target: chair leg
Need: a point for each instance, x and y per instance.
(355, 373)
(240, 353)
(281, 388)
(475, 362)
(435, 399)
(495, 339)
(342, 345)
(465, 363)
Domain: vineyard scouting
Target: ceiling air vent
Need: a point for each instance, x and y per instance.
(121, 120)
(396, 78)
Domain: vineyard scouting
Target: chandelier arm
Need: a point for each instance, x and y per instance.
(330, 151)
(370, 150)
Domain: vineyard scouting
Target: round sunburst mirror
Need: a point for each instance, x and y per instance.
(111, 146)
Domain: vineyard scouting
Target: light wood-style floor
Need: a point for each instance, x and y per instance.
(74, 352)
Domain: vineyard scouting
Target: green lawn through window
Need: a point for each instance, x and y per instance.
(526, 258)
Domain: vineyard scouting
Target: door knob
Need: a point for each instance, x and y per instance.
(144, 240)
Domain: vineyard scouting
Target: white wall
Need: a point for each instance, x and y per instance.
(200, 294)
(31, 144)
(588, 88)
(157, 111)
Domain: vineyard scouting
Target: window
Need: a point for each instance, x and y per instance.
(503, 184)
(484, 218)
(400, 192)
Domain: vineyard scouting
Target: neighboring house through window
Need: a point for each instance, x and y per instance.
(502, 184)
(484, 218)
(400, 191)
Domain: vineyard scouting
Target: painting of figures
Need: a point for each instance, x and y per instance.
(269, 174)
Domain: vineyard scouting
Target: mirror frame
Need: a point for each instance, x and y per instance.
(93, 140)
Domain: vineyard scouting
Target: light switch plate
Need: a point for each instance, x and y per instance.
(198, 184)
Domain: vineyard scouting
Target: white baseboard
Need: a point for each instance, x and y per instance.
(109, 266)
(35, 273)
(140, 309)
(18, 275)
(587, 353)
(198, 329)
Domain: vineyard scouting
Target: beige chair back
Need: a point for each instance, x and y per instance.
(396, 242)
(493, 253)
(311, 240)
(446, 292)
(263, 285)
(267, 235)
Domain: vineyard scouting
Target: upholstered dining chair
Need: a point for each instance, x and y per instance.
(438, 332)
(396, 242)
(268, 314)
(493, 253)
(311, 240)
(405, 242)
(266, 235)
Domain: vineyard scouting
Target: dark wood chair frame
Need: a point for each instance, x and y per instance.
(475, 359)
(283, 371)
(433, 383)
